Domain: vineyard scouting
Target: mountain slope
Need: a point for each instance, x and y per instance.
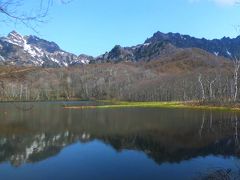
(16, 49)
(189, 60)
(162, 45)
(142, 52)
(226, 46)
(19, 50)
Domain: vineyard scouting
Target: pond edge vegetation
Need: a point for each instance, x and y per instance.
(172, 105)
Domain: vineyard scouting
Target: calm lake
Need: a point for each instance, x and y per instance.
(45, 141)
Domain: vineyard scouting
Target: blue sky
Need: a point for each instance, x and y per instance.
(95, 26)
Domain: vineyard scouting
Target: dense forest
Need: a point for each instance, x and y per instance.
(183, 78)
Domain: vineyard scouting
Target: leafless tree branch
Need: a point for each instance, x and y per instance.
(16, 11)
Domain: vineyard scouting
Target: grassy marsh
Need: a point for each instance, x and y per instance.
(174, 105)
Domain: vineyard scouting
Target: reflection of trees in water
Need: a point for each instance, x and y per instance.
(209, 126)
(219, 136)
(24, 149)
(161, 140)
(26, 107)
(202, 125)
(223, 173)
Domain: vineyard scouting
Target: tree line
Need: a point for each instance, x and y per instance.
(122, 81)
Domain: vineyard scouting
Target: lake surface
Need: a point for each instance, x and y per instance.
(45, 141)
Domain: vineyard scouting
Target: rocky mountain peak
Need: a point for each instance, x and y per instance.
(16, 49)
(50, 47)
(14, 34)
(225, 47)
(15, 38)
(19, 50)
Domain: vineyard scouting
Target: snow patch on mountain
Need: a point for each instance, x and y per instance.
(31, 50)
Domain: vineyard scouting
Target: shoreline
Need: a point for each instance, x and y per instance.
(169, 105)
(114, 104)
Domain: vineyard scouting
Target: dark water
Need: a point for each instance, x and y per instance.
(45, 141)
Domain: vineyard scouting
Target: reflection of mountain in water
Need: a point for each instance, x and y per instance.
(164, 135)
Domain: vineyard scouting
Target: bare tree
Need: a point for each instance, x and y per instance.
(202, 87)
(236, 63)
(211, 82)
(16, 11)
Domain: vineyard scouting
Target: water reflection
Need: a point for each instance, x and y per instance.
(164, 135)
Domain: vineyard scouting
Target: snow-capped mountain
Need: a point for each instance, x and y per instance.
(16, 49)
(19, 50)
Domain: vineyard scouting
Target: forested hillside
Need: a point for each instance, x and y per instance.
(191, 74)
(167, 67)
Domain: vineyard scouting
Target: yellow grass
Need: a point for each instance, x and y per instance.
(173, 105)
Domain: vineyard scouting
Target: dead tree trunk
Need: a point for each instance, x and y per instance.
(202, 87)
(210, 88)
(236, 69)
